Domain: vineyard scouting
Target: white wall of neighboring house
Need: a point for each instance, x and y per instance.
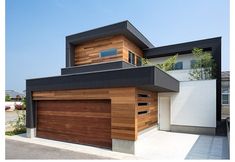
(195, 104)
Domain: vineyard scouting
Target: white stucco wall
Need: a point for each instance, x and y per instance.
(195, 104)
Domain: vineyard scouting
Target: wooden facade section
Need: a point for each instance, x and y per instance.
(89, 52)
(129, 46)
(127, 107)
(146, 107)
(123, 114)
(77, 121)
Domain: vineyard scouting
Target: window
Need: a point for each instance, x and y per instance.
(193, 62)
(225, 99)
(178, 66)
(109, 52)
(139, 61)
(131, 58)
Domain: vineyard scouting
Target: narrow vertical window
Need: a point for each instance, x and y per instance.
(131, 58)
(139, 61)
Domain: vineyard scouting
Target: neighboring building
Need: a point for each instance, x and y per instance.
(14, 95)
(105, 97)
(225, 94)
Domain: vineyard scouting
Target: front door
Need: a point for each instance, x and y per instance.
(164, 113)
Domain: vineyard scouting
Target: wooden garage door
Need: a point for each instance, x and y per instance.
(76, 121)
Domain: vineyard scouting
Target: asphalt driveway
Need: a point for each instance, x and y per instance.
(23, 150)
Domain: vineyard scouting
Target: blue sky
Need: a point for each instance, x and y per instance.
(36, 29)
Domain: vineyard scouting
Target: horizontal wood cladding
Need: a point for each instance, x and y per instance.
(123, 112)
(146, 109)
(88, 53)
(129, 46)
(62, 120)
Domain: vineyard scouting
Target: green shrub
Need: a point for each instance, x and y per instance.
(19, 124)
(7, 98)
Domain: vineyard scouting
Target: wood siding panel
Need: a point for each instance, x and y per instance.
(89, 52)
(85, 122)
(148, 119)
(129, 46)
(123, 107)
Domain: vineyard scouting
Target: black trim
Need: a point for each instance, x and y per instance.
(96, 67)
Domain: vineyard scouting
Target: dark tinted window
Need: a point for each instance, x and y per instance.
(225, 99)
(109, 52)
(131, 58)
(178, 66)
(139, 61)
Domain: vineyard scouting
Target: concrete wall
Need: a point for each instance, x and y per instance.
(195, 104)
(180, 75)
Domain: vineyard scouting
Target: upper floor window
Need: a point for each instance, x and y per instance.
(225, 98)
(109, 52)
(225, 95)
(131, 58)
(192, 63)
(178, 66)
(139, 61)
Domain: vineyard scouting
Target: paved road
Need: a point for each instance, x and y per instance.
(22, 150)
(210, 147)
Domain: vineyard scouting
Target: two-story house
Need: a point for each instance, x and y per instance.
(105, 97)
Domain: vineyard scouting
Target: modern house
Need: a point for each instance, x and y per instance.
(225, 95)
(106, 98)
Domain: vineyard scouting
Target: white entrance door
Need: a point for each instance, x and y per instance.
(164, 113)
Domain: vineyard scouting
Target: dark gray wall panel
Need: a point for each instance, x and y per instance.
(96, 67)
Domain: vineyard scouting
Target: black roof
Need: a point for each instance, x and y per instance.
(182, 48)
(124, 28)
(147, 77)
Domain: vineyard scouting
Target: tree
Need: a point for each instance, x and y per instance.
(204, 66)
(167, 65)
(24, 102)
(7, 98)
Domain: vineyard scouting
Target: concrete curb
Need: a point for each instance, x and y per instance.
(74, 147)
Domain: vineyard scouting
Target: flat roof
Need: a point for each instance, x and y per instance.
(148, 77)
(182, 48)
(121, 28)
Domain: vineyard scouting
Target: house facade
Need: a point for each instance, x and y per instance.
(106, 98)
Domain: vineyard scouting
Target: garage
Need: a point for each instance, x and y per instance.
(76, 121)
